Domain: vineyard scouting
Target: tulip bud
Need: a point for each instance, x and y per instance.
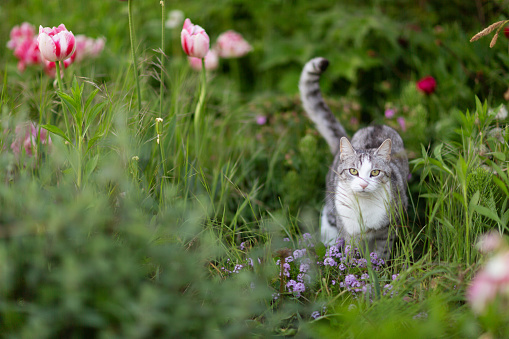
(194, 39)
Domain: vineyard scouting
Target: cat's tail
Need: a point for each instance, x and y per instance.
(318, 111)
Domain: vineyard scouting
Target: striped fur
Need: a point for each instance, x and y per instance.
(366, 184)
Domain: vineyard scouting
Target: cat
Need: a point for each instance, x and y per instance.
(366, 184)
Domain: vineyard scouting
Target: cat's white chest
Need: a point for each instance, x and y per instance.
(362, 212)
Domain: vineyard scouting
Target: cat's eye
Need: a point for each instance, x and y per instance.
(374, 173)
(353, 171)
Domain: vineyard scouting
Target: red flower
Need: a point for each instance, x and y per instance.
(427, 84)
(506, 32)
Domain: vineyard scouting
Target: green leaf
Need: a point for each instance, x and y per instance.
(72, 106)
(499, 155)
(57, 131)
(90, 98)
(90, 166)
(487, 213)
(92, 114)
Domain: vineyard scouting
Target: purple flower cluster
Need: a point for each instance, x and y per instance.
(342, 267)
(347, 269)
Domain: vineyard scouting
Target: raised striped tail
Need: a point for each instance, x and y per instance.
(316, 108)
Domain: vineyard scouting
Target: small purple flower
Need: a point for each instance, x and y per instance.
(329, 262)
(365, 276)
(303, 268)
(250, 262)
(340, 242)
(395, 276)
(302, 277)
(237, 268)
(299, 253)
(286, 239)
(342, 267)
(291, 283)
(275, 296)
(315, 314)
(261, 119)
(389, 113)
(289, 258)
(350, 280)
(333, 282)
(286, 269)
(299, 287)
(307, 236)
(402, 123)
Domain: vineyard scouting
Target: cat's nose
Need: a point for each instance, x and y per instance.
(363, 185)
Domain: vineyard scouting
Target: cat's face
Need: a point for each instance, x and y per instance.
(364, 172)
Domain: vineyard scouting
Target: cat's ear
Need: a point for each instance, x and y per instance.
(345, 148)
(384, 151)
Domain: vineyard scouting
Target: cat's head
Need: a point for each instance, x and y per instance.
(364, 171)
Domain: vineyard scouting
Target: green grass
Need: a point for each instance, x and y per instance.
(112, 234)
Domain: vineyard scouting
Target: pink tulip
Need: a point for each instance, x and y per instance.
(57, 43)
(491, 282)
(20, 33)
(427, 84)
(87, 48)
(26, 138)
(24, 44)
(211, 61)
(194, 39)
(231, 44)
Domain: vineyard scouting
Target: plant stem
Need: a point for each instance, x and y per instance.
(162, 61)
(133, 52)
(199, 106)
(161, 88)
(61, 88)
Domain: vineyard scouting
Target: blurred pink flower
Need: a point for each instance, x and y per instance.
(261, 119)
(231, 44)
(23, 42)
(489, 242)
(389, 113)
(490, 282)
(57, 43)
(26, 138)
(87, 48)
(25, 31)
(51, 69)
(402, 123)
(194, 39)
(427, 84)
(211, 61)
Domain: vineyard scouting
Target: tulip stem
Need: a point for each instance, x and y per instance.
(61, 88)
(162, 61)
(161, 89)
(133, 52)
(199, 106)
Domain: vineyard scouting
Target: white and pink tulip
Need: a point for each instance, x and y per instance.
(194, 39)
(57, 43)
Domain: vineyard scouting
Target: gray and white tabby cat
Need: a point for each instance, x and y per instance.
(366, 184)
